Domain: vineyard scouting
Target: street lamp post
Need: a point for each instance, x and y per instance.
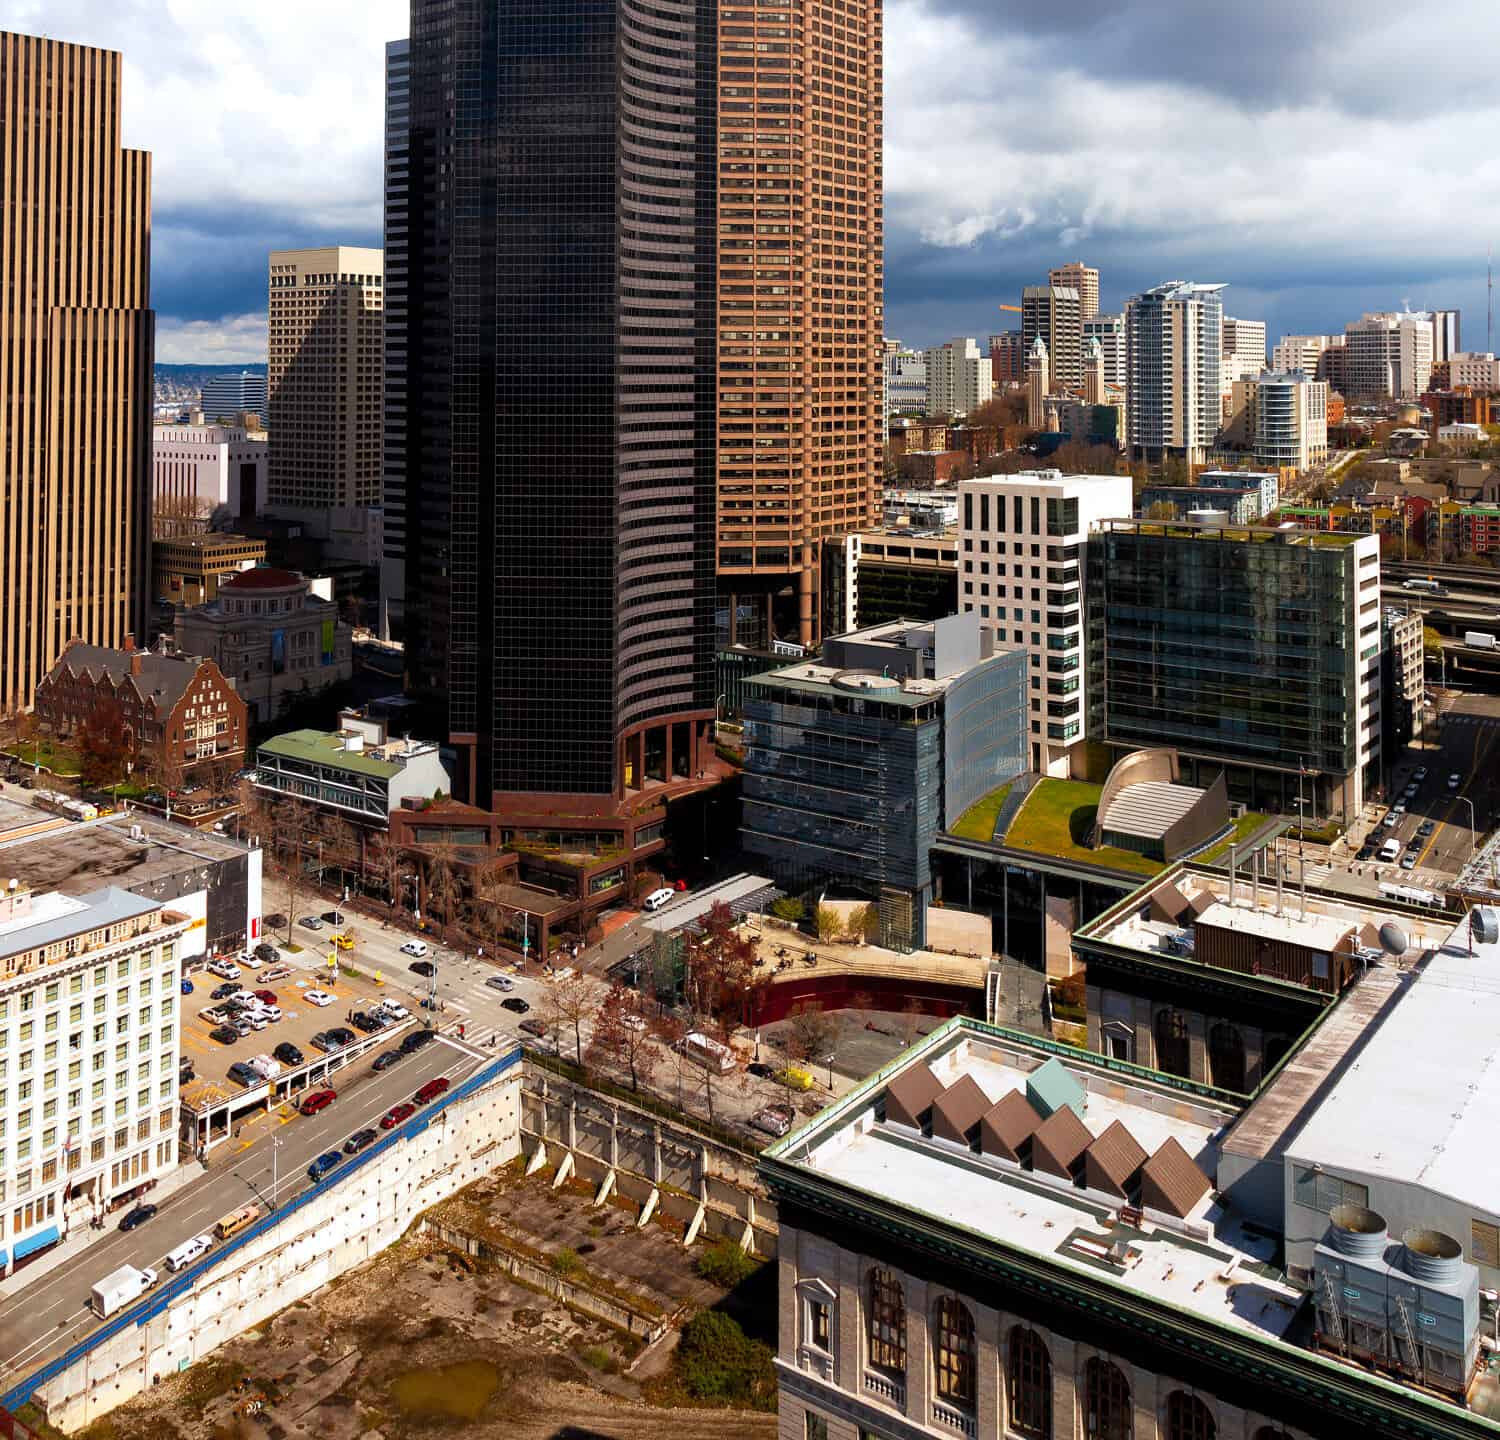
(275, 1167)
(1473, 826)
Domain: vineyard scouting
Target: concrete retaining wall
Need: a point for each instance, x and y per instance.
(578, 1297)
(350, 1219)
(710, 1189)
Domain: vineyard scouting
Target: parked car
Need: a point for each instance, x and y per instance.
(1392, 819)
(272, 1013)
(1419, 774)
(387, 1058)
(415, 1041)
(276, 972)
(224, 1035)
(185, 1072)
(220, 992)
(251, 962)
(534, 1027)
(425, 968)
(245, 1074)
(274, 922)
(288, 1053)
(267, 952)
(515, 1005)
(1367, 850)
(215, 1015)
(323, 1164)
(414, 947)
(310, 922)
(431, 1090)
(267, 997)
(344, 942)
(1409, 861)
(761, 1072)
(334, 917)
(362, 1020)
(317, 1100)
(394, 1009)
(240, 1025)
(774, 1119)
(187, 986)
(343, 1035)
(255, 1019)
(323, 1041)
(359, 1140)
(1426, 828)
(396, 1114)
(224, 969)
(138, 1216)
(500, 982)
(318, 997)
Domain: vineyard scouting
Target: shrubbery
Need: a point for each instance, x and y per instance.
(724, 1263)
(718, 1363)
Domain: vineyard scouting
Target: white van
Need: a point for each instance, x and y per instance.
(188, 1251)
(656, 899)
(1390, 850)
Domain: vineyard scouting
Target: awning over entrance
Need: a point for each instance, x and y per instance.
(32, 1243)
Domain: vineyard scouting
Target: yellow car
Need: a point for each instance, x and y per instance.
(795, 1079)
(344, 942)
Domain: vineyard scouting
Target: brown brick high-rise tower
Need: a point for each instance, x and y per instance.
(801, 237)
(76, 351)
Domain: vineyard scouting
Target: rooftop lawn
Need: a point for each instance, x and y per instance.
(978, 821)
(1244, 827)
(1058, 818)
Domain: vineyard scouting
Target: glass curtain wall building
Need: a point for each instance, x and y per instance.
(559, 406)
(854, 764)
(1254, 650)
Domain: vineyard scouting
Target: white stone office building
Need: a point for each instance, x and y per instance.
(89, 1033)
(960, 378)
(1301, 352)
(1477, 369)
(1173, 367)
(1109, 331)
(905, 382)
(1022, 566)
(203, 473)
(1389, 356)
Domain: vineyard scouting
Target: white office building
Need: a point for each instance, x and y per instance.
(1246, 340)
(1389, 355)
(1477, 369)
(905, 382)
(89, 1024)
(201, 473)
(1022, 561)
(1282, 419)
(1109, 331)
(229, 396)
(1173, 363)
(1301, 352)
(960, 378)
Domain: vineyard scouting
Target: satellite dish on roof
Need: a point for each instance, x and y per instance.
(1484, 925)
(1393, 938)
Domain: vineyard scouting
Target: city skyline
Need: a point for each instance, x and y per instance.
(1113, 152)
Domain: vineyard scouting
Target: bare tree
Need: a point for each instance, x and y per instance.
(294, 823)
(385, 861)
(811, 1034)
(622, 1036)
(174, 515)
(569, 1002)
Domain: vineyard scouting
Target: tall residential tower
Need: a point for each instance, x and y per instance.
(77, 343)
(644, 378)
(1173, 359)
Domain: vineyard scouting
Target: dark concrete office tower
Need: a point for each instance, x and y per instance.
(560, 407)
(76, 347)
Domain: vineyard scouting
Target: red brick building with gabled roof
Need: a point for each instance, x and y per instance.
(179, 711)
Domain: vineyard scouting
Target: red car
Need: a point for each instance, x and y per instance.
(318, 1100)
(395, 1115)
(430, 1091)
(269, 996)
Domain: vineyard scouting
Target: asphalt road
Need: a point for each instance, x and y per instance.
(46, 1317)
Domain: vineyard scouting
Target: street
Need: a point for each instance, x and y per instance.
(48, 1315)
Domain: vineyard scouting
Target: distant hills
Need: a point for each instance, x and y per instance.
(191, 372)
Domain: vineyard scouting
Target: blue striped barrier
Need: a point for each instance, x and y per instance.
(159, 1300)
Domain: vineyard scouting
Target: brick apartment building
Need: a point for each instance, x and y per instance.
(183, 698)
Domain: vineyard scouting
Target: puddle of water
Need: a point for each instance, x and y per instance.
(458, 1391)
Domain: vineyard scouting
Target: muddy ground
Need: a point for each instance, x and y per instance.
(424, 1342)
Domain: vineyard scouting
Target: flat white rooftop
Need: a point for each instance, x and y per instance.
(1322, 932)
(1208, 1264)
(1421, 1103)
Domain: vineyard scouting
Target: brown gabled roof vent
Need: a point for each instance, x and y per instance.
(1169, 905)
(1171, 1182)
(1007, 1127)
(1058, 1145)
(1113, 1161)
(909, 1096)
(957, 1111)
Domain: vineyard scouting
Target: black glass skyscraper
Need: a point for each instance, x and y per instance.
(560, 409)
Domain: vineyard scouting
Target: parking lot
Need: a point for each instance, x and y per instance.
(300, 1021)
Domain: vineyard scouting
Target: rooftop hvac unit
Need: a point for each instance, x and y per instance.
(1484, 924)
